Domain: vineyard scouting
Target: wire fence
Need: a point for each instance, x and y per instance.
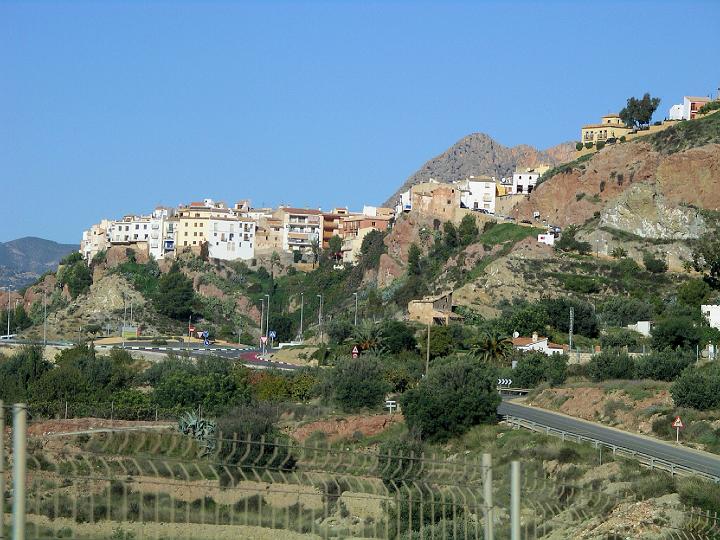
(144, 484)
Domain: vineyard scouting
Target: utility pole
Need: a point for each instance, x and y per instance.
(302, 308)
(320, 315)
(356, 306)
(570, 333)
(427, 355)
(44, 320)
(122, 328)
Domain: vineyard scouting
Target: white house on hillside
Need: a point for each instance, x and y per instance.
(524, 181)
(477, 193)
(712, 315)
(536, 343)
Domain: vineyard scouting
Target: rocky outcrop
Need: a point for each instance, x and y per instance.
(644, 211)
(635, 189)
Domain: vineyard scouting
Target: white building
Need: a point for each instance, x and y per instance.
(641, 327)
(231, 238)
(536, 343)
(162, 233)
(405, 202)
(524, 181)
(712, 315)
(546, 238)
(478, 193)
(676, 112)
(688, 109)
(129, 229)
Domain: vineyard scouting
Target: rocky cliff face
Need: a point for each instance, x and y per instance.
(634, 188)
(479, 154)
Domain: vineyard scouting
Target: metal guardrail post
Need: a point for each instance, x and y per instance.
(2, 471)
(488, 496)
(515, 500)
(19, 466)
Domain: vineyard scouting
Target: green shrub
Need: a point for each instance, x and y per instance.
(451, 399)
(600, 145)
(697, 389)
(534, 368)
(588, 145)
(710, 106)
(654, 265)
(578, 146)
(623, 138)
(616, 338)
(621, 311)
(699, 493)
(664, 365)
(611, 365)
(580, 284)
(358, 383)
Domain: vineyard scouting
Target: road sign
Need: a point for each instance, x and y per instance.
(504, 382)
(205, 334)
(390, 404)
(272, 334)
(263, 339)
(355, 352)
(191, 329)
(207, 342)
(678, 425)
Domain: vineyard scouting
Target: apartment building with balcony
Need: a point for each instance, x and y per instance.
(231, 237)
(331, 223)
(301, 227)
(353, 230)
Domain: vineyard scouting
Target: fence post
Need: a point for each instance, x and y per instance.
(2, 471)
(488, 496)
(515, 500)
(19, 465)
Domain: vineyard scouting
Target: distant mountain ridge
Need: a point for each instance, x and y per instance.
(23, 260)
(478, 154)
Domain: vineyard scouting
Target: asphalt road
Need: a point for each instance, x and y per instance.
(248, 355)
(673, 453)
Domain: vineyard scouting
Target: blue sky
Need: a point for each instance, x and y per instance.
(111, 108)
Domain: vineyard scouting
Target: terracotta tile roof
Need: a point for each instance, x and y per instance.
(525, 341)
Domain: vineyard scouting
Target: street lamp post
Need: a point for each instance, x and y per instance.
(8, 313)
(356, 306)
(267, 316)
(302, 308)
(320, 296)
(262, 321)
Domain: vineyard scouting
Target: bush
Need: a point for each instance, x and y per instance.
(578, 146)
(699, 493)
(664, 365)
(358, 383)
(621, 311)
(534, 368)
(451, 399)
(399, 461)
(611, 365)
(675, 331)
(588, 145)
(623, 138)
(398, 337)
(600, 145)
(616, 338)
(176, 296)
(654, 265)
(697, 389)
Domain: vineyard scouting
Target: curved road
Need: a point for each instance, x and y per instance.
(676, 454)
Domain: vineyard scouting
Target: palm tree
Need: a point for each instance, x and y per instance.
(368, 336)
(494, 348)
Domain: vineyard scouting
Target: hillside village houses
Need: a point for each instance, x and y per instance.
(524, 181)
(688, 109)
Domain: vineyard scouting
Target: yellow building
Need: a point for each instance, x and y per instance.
(610, 127)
